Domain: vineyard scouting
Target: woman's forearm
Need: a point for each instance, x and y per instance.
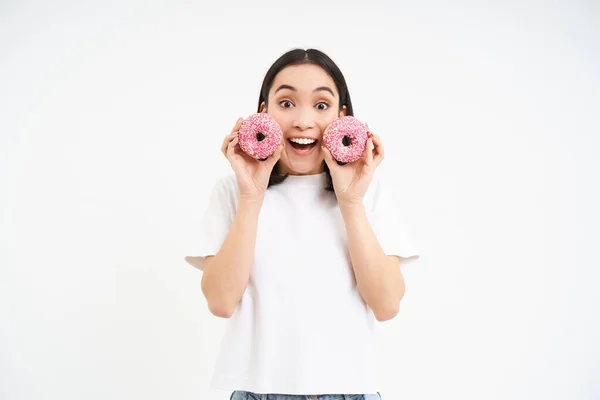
(226, 277)
(378, 276)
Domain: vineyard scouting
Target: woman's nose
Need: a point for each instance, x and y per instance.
(304, 121)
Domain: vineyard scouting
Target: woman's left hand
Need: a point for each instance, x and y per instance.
(352, 180)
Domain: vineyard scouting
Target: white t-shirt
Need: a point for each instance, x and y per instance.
(301, 326)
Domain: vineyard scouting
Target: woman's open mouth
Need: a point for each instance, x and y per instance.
(303, 146)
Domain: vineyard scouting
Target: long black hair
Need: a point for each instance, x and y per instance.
(308, 56)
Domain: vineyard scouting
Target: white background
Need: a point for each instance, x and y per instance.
(111, 119)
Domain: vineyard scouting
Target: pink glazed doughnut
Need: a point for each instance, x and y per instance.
(259, 136)
(346, 139)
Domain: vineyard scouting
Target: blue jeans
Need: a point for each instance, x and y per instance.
(243, 395)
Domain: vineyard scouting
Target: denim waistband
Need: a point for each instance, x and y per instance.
(244, 395)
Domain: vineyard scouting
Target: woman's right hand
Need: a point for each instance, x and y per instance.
(252, 175)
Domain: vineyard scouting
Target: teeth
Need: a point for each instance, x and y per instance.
(302, 140)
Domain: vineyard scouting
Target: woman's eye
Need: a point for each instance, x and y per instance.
(323, 103)
(285, 102)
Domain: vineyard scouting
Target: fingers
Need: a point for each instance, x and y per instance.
(231, 148)
(237, 125)
(230, 137)
(331, 163)
(374, 149)
(272, 160)
(226, 142)
(369, 152)
(367, 155)
(378, 150)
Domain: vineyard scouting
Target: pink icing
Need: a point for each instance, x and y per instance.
(259, 123)
(334, 134)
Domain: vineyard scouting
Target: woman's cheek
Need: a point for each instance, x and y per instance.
(279, 119)
(326, 120)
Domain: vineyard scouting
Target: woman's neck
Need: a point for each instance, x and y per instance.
(283, 170)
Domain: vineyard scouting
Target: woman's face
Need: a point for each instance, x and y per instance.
(303, 100)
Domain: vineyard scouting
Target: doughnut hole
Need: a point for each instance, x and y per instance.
(259, 138)
(346, 141)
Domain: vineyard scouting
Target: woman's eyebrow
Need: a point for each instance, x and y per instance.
(320, 88)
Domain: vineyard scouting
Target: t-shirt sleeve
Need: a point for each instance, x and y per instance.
(215, 223)
(389, 228)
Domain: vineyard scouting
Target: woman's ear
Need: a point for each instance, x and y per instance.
(343, 112)
(262, 107)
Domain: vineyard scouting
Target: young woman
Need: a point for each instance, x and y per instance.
(302, 254)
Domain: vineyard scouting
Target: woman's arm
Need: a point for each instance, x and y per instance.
(226, 276)
(378, 275)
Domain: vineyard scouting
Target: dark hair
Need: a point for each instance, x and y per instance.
(309, 56)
